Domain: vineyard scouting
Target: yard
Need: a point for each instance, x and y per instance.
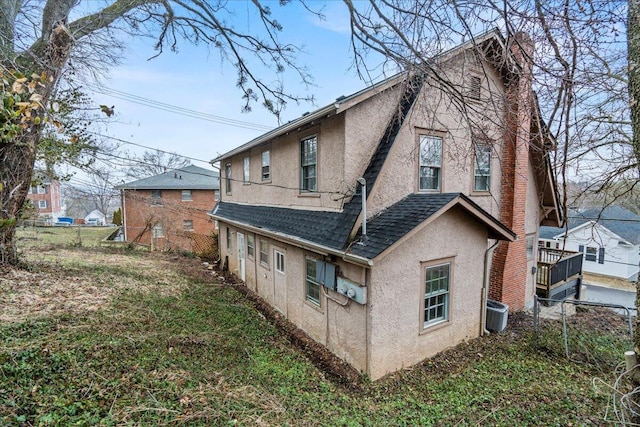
(97, 336)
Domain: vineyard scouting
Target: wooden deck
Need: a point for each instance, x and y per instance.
(559, 274)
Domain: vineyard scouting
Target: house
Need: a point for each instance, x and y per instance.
(45, 195)
(95, 217)
(608, 239)
(381, 223)
(169, 210)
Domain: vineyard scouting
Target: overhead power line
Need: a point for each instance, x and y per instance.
(136, 99)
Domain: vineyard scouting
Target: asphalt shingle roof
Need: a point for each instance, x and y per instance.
(399, 219)
(620, 221)
(187, 178)
(331, 229)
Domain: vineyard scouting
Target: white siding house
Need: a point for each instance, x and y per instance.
(609, 239)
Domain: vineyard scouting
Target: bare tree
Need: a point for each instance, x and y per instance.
(49, 40)
(98, 193)
(154, 163)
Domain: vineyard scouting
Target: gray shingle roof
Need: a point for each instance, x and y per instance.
(187, 178)
(331, 229)
(620, 221)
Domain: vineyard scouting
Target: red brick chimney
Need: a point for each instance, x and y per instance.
(509, 268)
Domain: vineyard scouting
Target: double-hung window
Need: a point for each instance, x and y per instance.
(266, 165)
(42, 204)
(227, 178)
(309, 164)
(228, 239)
(156, 197)
(482, 167)
(157, 231)
(591, 254)
(264, 253)
(430, 162)
(186, 195)
(187, 225)
(251, 248)
(312, 287)
(246, 170)
(437, 280)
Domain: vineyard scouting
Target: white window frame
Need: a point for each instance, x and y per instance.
(157, 231)
(187, 196)
(42, 189)
(41, 203)
(246, 170)
(266, 165)
(279, 261)
(482, 172)
(227, 178)
(187, 224)
(430, 162)
(251, 246)
(311, 285)
(309, 164)
(264, 253)
(591, 256)
(436, 296)
(229, 247)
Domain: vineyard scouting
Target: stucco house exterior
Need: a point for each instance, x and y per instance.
(608, 238)
(45, 195)
(450, 214)
(169, 210)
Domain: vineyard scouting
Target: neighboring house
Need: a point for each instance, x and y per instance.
(169, 210)
(44, 193)
(95, 217)
(609, 238)
(438, 196)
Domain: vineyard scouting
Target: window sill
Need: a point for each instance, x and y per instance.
(246, 183)
(481, 193)
(434, 327)
(317, 307)
(309, 194)
(266, 181)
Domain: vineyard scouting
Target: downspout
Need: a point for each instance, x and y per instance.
(485, 289)
(363, 190)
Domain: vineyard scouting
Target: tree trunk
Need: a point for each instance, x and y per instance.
(17, 155)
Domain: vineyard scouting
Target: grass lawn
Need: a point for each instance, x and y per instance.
(34, 237)
(100, 337)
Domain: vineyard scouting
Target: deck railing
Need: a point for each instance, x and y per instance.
(556, 267)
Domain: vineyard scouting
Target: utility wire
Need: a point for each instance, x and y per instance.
(136, 99)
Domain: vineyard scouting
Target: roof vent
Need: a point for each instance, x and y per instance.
(305, 114)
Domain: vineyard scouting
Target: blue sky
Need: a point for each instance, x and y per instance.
(197, 79)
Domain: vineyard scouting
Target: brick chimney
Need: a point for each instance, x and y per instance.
(509, 267)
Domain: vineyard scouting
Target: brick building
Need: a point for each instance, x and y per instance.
(169, 211)
(45, 196)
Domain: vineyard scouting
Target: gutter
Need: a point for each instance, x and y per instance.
(304, 244)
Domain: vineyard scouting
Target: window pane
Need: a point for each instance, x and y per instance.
(482, 168)
(246, 170)
(436, 298)
(186, 195)
(266, 165)
(227, 176)
(312, 287)
(430, 162)
(308, 163)
(250, 246)
(187, 225)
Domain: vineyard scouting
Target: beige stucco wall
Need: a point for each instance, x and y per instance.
(283, 188)
(436, 114)
(338, 323)
(397, 339)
